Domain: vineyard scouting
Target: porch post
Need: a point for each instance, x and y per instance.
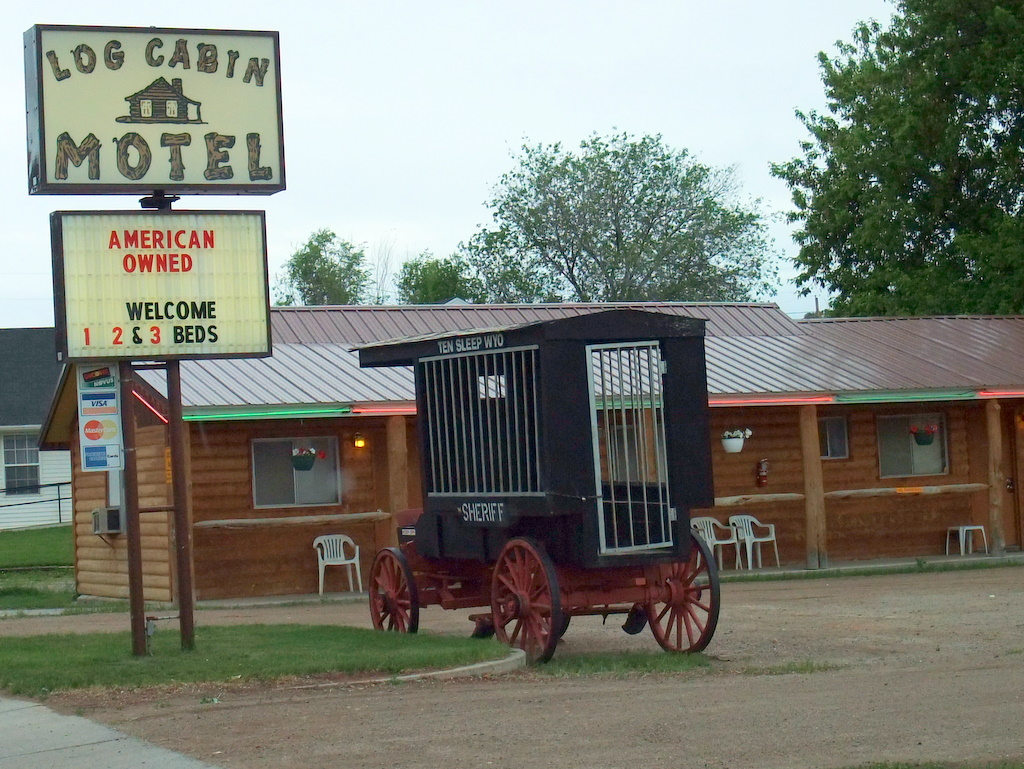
(814, 489)
(398, 464)
(996, 477)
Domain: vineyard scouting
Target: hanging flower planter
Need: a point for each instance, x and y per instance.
(303, 461)
(923, 434)
(732, 440)
(732, 445)
(303, 458)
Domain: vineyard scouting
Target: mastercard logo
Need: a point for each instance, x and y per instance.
(97, 429)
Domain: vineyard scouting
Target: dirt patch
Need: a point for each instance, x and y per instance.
(918, 667)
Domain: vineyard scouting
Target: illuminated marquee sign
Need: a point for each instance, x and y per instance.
(126, 110)
(160, 285)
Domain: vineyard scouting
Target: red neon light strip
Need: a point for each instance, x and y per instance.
(770, 401)
(384, 411)
(149, 406)
(1001, 393)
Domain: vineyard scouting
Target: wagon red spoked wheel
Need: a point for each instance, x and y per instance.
(685, 618)
(525, 600)
(394, 599)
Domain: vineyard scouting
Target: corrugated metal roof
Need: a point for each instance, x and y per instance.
(361, 324)
(967, 351)
(295, 374)
(754, 350)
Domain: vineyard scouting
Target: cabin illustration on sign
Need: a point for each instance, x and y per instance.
(162, 102)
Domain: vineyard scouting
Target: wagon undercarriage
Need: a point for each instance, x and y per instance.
(531, 601)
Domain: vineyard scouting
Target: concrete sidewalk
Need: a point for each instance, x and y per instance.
(34, 737)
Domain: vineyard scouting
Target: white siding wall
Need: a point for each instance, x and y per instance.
(43, 508)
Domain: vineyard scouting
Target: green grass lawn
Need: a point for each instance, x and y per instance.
(50, 546)
(35, 569)
(37, 665)
(37, 589)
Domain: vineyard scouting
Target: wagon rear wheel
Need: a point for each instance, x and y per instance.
(525, 600)
(394, 598)
(686, 618)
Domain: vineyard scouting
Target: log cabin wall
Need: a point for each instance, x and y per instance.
(905, 525)
(245, 558)
(775, 436)
(897, 525)
(101, 562)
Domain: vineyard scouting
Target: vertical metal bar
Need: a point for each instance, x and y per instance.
(456, 474)
(609, 392)
(640, 434)
(479, 420)
(469, 432)
(623, 411)
(441, 459)
(442, 398)
(465, 483)
(440, 424)
(535, 479)
(516, 390)
(180, 480)
(658, 391)
(130, 506)
(430, 426)
(596, 441)
(489, 405)
(507, 482)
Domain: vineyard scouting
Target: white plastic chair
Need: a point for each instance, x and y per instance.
(330, 551)
(745, 526)
(709, 529)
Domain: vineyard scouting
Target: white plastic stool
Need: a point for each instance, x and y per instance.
(965, 535)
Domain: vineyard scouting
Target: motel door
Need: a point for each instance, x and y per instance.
(1013, 496)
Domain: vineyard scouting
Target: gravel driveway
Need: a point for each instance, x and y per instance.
(915, 667)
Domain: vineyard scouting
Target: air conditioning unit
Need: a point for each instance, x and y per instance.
(107, 520)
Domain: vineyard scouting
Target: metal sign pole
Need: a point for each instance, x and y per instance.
(137, 607)
(181, 474)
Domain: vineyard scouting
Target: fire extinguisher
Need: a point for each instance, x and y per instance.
(761, 473)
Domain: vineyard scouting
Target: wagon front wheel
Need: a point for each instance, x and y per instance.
(686, 615)
(394, 598)
(525, 600)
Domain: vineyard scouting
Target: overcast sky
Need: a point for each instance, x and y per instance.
(400, 117)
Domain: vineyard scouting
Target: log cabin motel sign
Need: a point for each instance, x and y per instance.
(124, 110)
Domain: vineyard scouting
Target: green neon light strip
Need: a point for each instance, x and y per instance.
(269, 413)
(906, 396)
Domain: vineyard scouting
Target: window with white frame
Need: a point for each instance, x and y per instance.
(146, 107)
(832, 438)
(289, 472)
(912, 444)
(21, 464)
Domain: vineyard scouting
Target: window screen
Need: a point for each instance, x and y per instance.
(279, 480)
(912, 445)
(832, 438)
(21, 464)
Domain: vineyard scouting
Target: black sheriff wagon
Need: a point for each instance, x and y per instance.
(560, 460)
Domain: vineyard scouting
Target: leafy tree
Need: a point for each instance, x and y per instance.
(325, 270)
(910, 192)
(622, 219)
(429, 280)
